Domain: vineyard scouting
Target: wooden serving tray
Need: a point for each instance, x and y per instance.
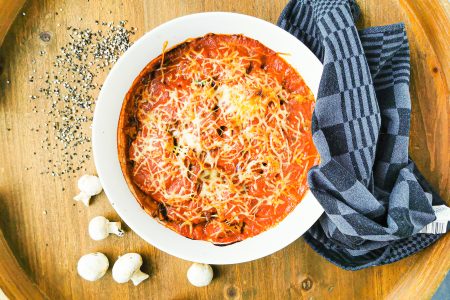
(39, 251)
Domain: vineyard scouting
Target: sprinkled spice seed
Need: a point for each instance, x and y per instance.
(69, 89)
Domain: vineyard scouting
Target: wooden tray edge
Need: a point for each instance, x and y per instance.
(14, 282)
(419, 12)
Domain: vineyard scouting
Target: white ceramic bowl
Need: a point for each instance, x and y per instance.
(104, 137)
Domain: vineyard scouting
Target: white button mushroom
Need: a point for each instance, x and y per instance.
(128, 267)
(89, 185)
(92, 266)
(200, 274)
(100, 228)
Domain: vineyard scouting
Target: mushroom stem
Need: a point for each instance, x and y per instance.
(115, 227)
(138, 277)
(83, 197)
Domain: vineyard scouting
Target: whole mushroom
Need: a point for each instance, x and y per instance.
(92, 266)
(200, 275)
(100, 227)
(127, 268)
(89, 185)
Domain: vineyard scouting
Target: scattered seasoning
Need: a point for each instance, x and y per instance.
(69, 89)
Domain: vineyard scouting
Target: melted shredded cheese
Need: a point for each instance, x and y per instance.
(220, 146)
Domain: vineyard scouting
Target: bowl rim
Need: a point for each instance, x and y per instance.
(104, 137)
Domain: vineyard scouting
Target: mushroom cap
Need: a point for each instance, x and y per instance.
(92, 266)
(200, 274)
(125, 266)
(90, 184)
(98, 228)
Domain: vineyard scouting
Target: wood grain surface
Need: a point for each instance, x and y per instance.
(8, 12)
(47, 232)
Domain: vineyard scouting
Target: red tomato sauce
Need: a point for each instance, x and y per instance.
(215, 140)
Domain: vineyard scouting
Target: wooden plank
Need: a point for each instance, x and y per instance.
(48, 245)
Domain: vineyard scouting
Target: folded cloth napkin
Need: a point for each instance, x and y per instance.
(375, 200)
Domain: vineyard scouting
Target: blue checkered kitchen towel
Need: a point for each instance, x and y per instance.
(375, 200)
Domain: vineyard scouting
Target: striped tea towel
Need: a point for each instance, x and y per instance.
(378, 207)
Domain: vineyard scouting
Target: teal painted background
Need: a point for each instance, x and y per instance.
(443, 292)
